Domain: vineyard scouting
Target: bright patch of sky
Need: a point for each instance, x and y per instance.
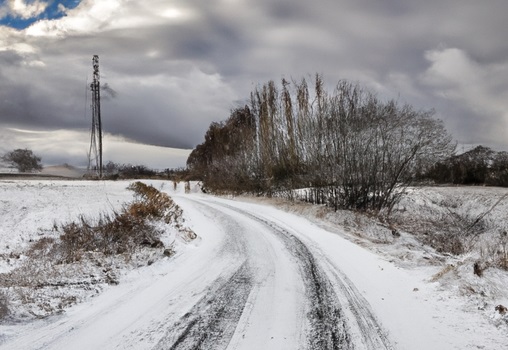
(20, 14)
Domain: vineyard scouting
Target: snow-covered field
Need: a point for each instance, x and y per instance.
(264, 274)
(29, 209)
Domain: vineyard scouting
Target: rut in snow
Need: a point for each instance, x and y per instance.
(211, 323)
(330, 329)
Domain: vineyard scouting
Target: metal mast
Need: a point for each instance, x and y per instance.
(95, 154)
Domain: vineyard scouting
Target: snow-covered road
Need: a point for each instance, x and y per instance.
(257, 278)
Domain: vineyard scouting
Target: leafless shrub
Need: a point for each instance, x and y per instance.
(502, 251)
(501, 309)
(44, 247)
(118, 233)
(478, 269)
(495, 251)
(445, 242)
(153, 204)
(4, 306)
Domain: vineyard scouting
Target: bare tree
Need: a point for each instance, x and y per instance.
(24, 160)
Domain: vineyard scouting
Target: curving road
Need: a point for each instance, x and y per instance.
(253, 281)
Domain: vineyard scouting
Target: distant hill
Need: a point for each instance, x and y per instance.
(65, 170)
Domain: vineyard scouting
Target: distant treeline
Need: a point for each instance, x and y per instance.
(353, 149)
(479, 166)
(115, 171)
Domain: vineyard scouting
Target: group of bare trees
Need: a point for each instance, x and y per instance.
(347, 147)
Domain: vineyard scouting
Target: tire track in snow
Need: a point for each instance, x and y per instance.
(372, 334)
(211, 323)
(330, 328)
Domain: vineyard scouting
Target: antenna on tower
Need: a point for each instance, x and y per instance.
(95, 153)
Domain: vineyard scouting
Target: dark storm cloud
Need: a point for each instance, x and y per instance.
(34, 98)
(179, 65)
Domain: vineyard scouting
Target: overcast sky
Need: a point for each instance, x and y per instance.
(176, 66)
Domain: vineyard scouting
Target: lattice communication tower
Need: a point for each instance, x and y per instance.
(95, 153)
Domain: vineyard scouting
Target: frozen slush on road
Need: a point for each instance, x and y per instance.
(256, 277)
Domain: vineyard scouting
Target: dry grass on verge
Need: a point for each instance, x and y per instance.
(58, 272)
(458, 221)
